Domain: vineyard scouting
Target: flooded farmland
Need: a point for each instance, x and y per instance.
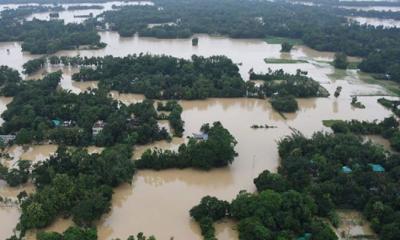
(158, 202)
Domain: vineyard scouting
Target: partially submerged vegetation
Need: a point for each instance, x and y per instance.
(43, 37)
(283, 88)
(322, 28)
(281, 83)
(41, 112)
(388, 128)
(393, 105)
(283, 61)
(165, 77)
(357, 104)
(317, 176)
(213, 148)
(284, 104)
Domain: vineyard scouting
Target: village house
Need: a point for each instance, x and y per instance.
(98, 127)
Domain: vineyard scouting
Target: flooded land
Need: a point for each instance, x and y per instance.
(157, 202)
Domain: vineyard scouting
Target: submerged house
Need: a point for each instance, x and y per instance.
(200, 136)
(346, 169)
(6, 139)
(98, 127)
(377, 168)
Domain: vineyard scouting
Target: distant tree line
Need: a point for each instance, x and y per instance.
(44, 37)
(320, 27)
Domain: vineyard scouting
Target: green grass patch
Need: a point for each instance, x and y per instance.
(338, 74)
(280, 40)
(283, 61)
(353, 65)
(329, 123)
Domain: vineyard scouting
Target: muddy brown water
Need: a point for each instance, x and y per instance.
(158, 202)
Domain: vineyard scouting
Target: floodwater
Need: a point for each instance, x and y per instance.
(387, 23)
(353, 224)
(69, 15)
(158, 202)
(374, 8)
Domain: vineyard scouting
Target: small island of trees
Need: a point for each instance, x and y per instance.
(214, 148)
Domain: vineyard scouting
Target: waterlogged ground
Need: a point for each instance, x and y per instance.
(158, 202)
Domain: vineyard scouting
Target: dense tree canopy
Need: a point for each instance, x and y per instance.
(214, 149)
(342, 170)
(264, 216)
(41, 111)
(279, 82)
(9, 79)
(77, 184)
(165, 77)
(41, 37)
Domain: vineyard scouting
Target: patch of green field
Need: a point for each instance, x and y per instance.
(283, 61)
(280, 40)
(329, 123)
(338, 74)
(353, 65)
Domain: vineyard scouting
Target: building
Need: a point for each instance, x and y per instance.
(377, 168)
(346, 169)
(98, 127)
(200, 136)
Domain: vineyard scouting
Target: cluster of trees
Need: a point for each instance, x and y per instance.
(174, 116)
(76, 184)
(311, 184)
(391, 104)
(75, 233)
(34, 65)
(340, 61)
(165, 77)
(16, 176)
(280, 83)
(284, 104)
(40, 111)
(315, 166)
(320, 27)
(266, 215)
(286, 47)
(43, 37)
(215, 149)
(9, 79)
(283, 88)
(387, 128)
